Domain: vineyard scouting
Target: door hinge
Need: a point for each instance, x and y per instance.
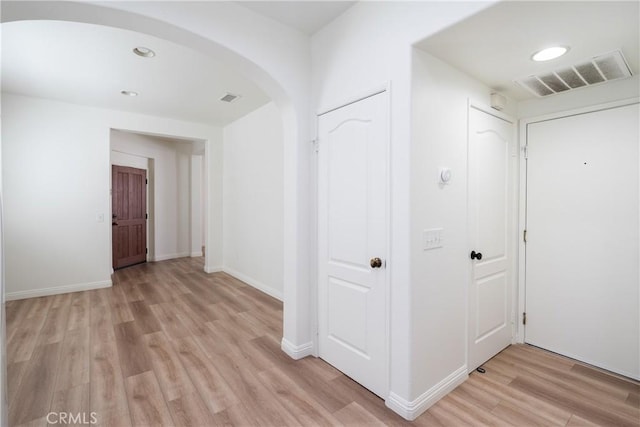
(315, 145)
(146, 181)
(146, 250)
(526, 151)
(146, 216)
(524, 236)
(524, 318)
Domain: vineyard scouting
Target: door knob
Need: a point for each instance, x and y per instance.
(476, 255)
(375, 262)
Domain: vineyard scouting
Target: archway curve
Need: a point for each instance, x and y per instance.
(289, 95)
(99, 15)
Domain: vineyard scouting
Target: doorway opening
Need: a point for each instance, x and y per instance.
(175, 209)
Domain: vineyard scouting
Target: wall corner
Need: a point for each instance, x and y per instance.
(297, 352)
(410, 410)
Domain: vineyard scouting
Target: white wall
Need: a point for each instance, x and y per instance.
(440, 96)
(129, 160)
(253, 191)
(368, 46)
(171, 181)
(4, 398)
(56, 177)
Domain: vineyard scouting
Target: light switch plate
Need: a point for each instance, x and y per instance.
(432, 238)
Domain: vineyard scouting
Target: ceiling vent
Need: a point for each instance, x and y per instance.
(599, 69)
(229, 97)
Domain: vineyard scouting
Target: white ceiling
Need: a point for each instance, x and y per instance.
(305, 16)
(495, 45)
(90, 64)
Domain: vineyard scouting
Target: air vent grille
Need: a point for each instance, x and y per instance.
(589, 73)
(571, 78)
(609, 67)
(229, 97)
(596, 70)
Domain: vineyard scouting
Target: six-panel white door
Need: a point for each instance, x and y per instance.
(352, 240)
(490, 203)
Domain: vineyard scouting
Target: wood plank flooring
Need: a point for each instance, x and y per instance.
(169, 345)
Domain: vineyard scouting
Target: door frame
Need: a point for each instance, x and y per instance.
(512, 217)
(522, 208)
(314, 254)
(152, 230)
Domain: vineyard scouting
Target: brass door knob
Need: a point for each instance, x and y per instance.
(375, 262)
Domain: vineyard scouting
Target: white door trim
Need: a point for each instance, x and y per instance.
(522, 214)
(314, 301)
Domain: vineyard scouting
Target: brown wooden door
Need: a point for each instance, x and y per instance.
(129, 216)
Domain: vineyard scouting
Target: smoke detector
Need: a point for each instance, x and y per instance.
(229, 97)
(598, 69)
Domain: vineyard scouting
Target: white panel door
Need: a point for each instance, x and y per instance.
(491, 184)
(352, 240)
(582, 257)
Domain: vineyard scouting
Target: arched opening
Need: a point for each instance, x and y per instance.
(293, 112)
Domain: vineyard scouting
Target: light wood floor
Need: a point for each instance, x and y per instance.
(171, 345)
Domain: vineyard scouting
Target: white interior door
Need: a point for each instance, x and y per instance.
(352, 240)
(582, 257)
(491, 184)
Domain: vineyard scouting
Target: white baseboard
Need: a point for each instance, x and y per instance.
(169, 256)
(214, 269)
(296, 352)
(65, 289)
(196, 254)
(410, 410)
(277, 294)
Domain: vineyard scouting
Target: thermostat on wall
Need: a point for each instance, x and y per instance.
(445, 175)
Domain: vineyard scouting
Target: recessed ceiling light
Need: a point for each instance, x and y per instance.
(129, 93)
(549, 53)
(145, 52)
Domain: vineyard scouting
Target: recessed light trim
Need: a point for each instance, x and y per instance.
(129, 93)
(144, 52)
(549, 53)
